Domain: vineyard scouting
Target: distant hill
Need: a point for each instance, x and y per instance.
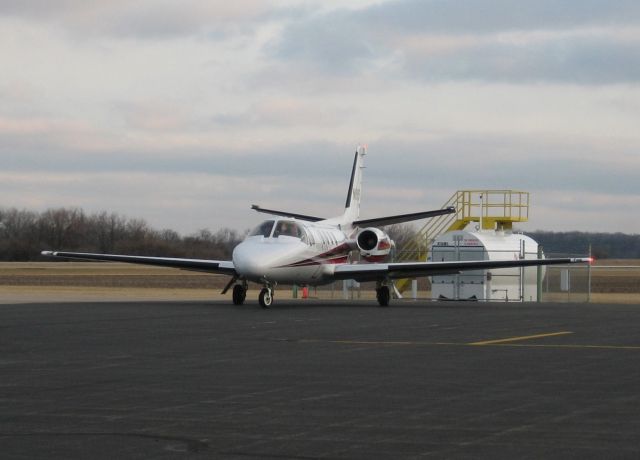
(603, 245)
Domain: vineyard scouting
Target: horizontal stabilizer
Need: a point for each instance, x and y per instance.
(390, 220)
(287, 214)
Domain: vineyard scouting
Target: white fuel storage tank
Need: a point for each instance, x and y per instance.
(505, 284)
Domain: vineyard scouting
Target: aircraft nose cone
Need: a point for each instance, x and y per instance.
(247, 262)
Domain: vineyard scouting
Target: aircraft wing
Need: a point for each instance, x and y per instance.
(202, 265)
(374, 272)
(390, 220)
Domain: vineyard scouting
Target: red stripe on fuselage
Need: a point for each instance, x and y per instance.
(337, 255)
(337, 260)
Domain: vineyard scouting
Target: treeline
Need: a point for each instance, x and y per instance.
(603, 245)
(23, 234)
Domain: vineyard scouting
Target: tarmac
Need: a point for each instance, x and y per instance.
(317, 379)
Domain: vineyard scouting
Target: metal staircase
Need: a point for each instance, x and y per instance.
(491, 209)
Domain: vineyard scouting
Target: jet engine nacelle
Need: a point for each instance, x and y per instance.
(374, 244)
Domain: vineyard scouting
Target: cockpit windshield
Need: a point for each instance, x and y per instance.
(291, 228)
(282, 228)
(264, 229)
(287, 228)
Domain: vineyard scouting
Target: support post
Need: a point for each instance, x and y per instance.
(523, 255)
(539, 277)
(589, 276)
(481, 211)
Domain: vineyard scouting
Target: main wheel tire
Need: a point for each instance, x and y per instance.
(265, 298)
(383, 295)
(239, 294)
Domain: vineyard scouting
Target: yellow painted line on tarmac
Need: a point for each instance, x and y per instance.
(488, 343)
(365, 342)
(379, 342)
(575, 346)
(524, 337)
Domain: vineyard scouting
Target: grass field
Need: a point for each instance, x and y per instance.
(613, 281)
(619, 276)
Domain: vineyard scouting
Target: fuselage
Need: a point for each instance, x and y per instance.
(291, 251)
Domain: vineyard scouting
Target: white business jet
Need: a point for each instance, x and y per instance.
(307, 250)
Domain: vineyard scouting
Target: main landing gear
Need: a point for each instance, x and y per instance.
(383, 295)
(239, 293)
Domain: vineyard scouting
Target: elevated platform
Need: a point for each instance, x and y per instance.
(490, 209)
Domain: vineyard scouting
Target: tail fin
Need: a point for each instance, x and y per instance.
(352, 205)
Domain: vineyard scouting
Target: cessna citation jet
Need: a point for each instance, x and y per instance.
(308, 250)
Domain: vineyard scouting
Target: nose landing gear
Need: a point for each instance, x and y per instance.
(266, 297)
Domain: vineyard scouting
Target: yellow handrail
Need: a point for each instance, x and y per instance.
(492, 209)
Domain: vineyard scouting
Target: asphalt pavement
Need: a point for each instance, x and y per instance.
(313, 379)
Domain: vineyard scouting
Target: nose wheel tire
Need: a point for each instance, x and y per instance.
(265, 298)
(239, 294)
(383, 295)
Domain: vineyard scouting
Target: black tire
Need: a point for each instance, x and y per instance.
(265, 298)
(383, 295)
(239, 294)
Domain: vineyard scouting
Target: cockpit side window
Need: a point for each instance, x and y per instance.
(306, 237)
(264, 229)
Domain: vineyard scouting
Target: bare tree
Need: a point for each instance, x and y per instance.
(19, 234)
(107, 230)
(62, 228)
(401, 234)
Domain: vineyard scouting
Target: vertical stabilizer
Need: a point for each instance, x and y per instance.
(352, 205)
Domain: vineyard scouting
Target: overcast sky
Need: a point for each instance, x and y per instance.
(184, 113)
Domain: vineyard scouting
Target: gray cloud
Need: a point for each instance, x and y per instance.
(38, 8)
(487, 16)
(157, 18)
(520, 162)
(348, 41)
(173, 190)
(316, 158)
(337, 42)
(146, 19)
(452, 163)
(266, 104)
(577, 61)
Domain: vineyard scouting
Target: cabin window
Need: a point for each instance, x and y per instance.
(264, 229)
(329, 238)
